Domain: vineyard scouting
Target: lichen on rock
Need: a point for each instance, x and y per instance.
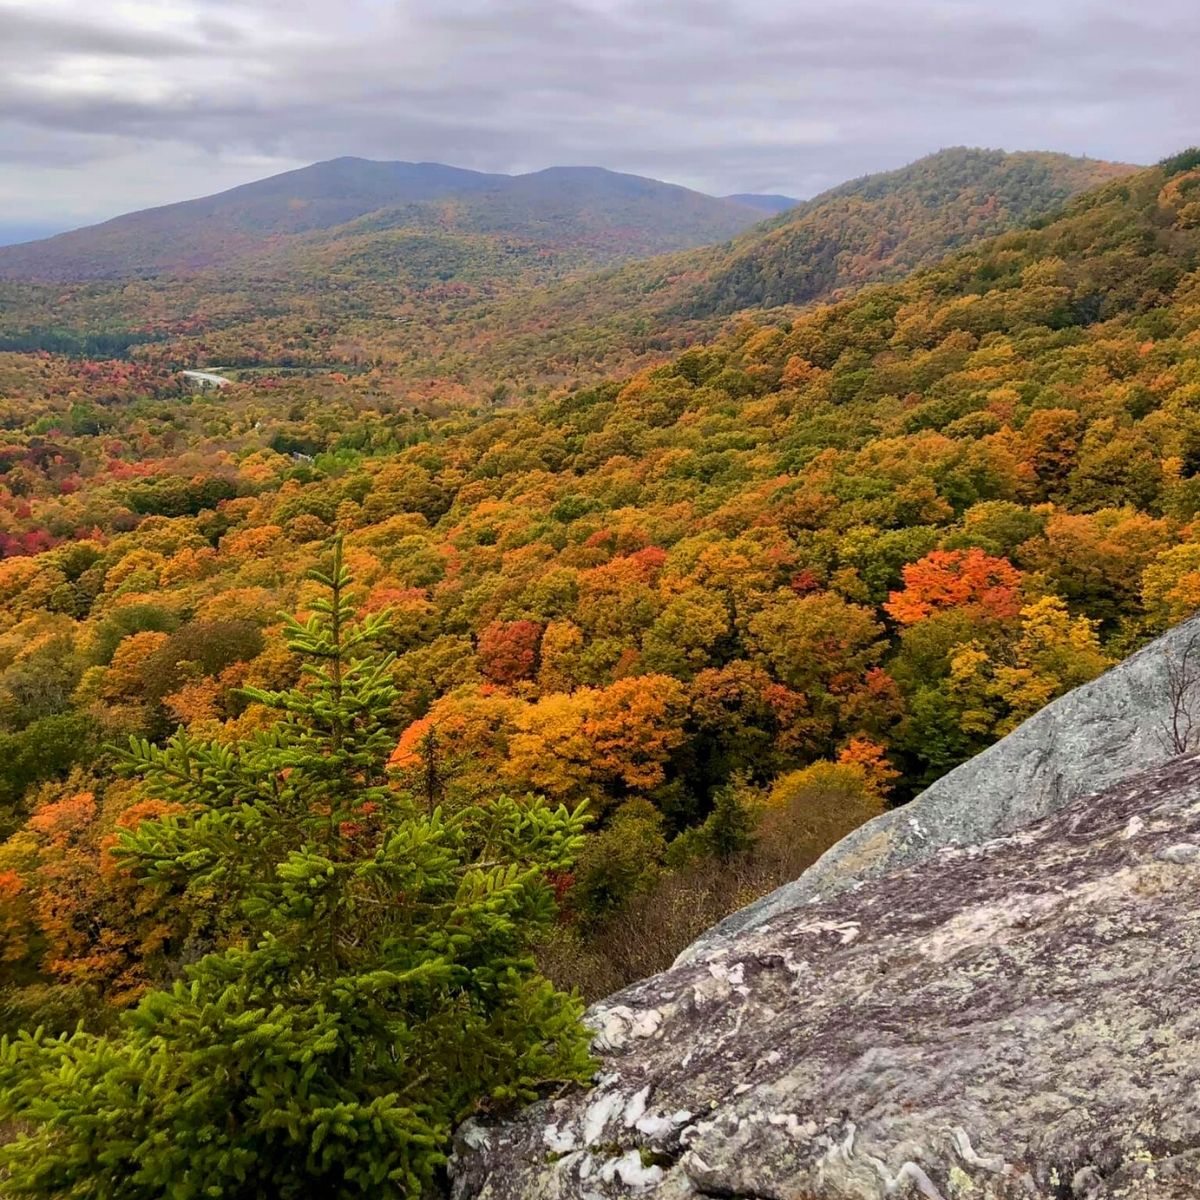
(1014, 1020)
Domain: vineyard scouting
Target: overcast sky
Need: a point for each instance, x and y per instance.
(111, 105)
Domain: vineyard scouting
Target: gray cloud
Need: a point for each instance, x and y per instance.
(144, 101)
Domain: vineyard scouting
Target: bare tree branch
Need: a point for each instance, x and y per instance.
(1179, 727)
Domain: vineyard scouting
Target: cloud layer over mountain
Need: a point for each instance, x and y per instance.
(109, 107)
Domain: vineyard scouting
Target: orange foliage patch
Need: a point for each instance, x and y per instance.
(62, 820)
(953, 579)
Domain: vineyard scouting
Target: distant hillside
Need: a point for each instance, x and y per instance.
(494, 289)
(767, 204)
(873, 229)
(883, 226)
(14, 232)
(620, 216)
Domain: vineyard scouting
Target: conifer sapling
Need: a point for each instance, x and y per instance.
(368, 982)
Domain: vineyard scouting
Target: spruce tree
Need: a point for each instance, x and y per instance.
(368, 983)
(730, 827)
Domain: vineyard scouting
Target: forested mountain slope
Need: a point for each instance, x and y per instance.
(446, 294)
(883, 226)
(871, 229)
(758, 591)
(626, 215)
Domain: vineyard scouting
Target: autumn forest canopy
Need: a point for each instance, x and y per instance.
(617, 592)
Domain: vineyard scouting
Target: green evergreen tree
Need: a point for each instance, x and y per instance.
(369, 983)
(729, 830)
(730, 827)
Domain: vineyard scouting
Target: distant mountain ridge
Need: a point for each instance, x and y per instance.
(882, 226)
(15, 232)
(565, 204)
(551, 279)
(765, 203)
(873, 229)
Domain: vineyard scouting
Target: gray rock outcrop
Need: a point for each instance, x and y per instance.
(1015, 1020)
(1089, 739)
